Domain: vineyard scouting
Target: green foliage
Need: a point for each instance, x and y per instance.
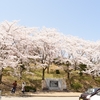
(82, 67)
(30, 89)
(76, 86)
(57, 72)
(80, 73)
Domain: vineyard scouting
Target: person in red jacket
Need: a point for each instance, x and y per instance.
(14, 87)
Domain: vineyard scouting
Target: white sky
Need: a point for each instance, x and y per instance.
(71, 17)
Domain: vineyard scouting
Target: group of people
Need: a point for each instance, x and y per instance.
(13, 90)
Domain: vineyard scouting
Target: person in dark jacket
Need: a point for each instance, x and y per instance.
(14, 87)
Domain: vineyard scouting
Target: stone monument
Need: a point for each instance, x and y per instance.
(54, 84)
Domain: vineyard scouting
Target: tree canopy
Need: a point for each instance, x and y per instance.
(20, 43)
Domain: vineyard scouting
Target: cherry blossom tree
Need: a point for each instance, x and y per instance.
(13, 43)
(19, 44)
(47, 41)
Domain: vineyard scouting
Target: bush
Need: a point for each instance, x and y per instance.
(30, 89)
(57, 72)
(76, 86)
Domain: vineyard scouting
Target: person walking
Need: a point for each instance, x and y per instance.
(14, 87)
(23, 87)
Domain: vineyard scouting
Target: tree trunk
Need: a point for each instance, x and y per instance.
(0, 78)
(22, 68)
(68, 75)
(1, 72)
(48, 70)
(43, 73)
(75, 66)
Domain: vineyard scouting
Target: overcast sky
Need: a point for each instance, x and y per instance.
(71, 17)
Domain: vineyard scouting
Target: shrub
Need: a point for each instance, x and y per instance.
(57, 72)
(30, 89)
(76, 86)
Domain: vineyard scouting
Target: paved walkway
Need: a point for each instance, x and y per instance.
(54, 94)
(46, 94)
